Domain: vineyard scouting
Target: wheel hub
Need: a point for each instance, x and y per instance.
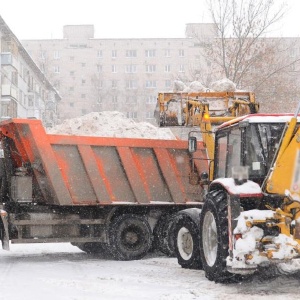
(210, 238)
(131, 238)
(185, 243)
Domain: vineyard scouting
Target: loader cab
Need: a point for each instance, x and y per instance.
(247, 143)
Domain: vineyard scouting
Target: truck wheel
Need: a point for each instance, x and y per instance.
(130, 237)
(214, 237)
(164, 238)
(187, 243)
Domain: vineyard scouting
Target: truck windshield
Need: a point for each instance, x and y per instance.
(261, 144)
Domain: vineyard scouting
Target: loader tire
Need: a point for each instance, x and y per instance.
(214, 240)
(187, 243)
(130, 237)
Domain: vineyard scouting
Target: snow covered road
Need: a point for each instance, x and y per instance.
(61, 271)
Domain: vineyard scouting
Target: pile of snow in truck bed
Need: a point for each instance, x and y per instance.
(222, 85)
(111, 124)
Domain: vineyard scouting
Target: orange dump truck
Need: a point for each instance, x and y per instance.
(113, 195)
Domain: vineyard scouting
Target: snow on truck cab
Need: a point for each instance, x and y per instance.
(251, 213)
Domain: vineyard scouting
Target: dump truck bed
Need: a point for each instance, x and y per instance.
(83, 170)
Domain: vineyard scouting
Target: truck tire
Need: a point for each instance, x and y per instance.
(164, 238)
(187, 243)
(214, 240)
(130, 237)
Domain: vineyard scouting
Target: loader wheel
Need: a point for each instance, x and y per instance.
(214, 237)
(187, 243)
(130, 237)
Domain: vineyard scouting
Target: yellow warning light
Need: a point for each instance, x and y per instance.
(206, 116)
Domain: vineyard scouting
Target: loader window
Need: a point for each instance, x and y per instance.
(233, 150)
(270, 135)
(228, 153)
(254, 156)
(220, 161)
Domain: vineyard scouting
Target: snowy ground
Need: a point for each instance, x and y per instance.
(61, 271)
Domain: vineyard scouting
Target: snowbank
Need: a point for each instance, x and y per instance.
(111, 124)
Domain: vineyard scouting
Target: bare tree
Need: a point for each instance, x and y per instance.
(243, 53)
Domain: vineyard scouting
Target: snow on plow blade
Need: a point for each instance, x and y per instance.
(84, 170)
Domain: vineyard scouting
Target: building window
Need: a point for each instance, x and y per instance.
(181, 52)
(150, 84)
(83, 64)
(130, 69)
(71, 89)
(100, 54)
(99, 68)
(114, 69)
(151, 99)
(114, 84)
(56, 69)
(42, 54)
(99, 85)
(167, 68)
(8, 108)
(131, 53)
(150, 68)
(14, 78)
(72, 73)
(131, 84)
(56, 55)
(181, 68)
(71, 104)
(115, 99)
(132, 114)
(82, 81)
(83, 111)
(150, 53)
(99, 100)
(167, 53)
(21, 97)
(114, 53)
(71, 58)
(83, 96)
(30, 101)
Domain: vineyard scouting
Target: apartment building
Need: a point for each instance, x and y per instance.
(93, 74)
(25, 91)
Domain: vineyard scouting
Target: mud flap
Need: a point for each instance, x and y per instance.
(5, 234)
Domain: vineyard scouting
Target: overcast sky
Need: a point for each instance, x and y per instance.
(44, 19)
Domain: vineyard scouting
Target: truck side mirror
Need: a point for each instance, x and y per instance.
(192, 144)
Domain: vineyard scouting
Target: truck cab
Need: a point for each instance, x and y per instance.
(250, 141)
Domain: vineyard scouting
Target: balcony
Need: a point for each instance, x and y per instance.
(7, 59)
(9, 90)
